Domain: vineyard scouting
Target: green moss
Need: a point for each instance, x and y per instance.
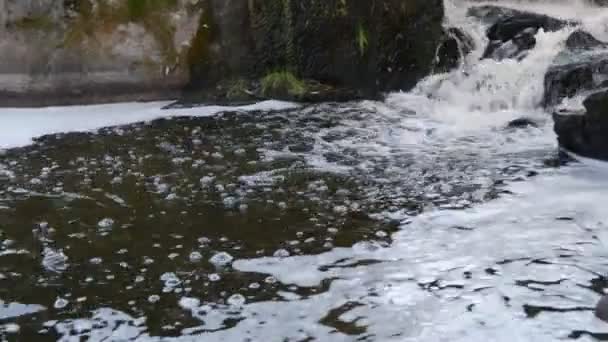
(362, 38)
(282, 83)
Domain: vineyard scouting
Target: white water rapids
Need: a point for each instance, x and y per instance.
(516, 268)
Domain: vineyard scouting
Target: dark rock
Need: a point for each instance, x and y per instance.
(368, 47)
(601, 309)
(456, 44)
(513, 32)
(522, 123)
(507, 28)
(577, 69)
(600, 3)
(585, 133)
(581, 40)
(569, 79)
(514, 48)
(490, 14)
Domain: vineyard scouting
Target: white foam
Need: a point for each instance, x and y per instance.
(18, 126)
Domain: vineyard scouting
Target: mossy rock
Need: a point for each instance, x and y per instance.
(372, 46)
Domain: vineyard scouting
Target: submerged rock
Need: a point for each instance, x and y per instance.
(585, 134)
(521, 123)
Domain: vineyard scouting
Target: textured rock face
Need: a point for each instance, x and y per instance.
(83, 51)
(585, 133)
(512, 32)
(581, 67)
(74, 51)
(367, 45)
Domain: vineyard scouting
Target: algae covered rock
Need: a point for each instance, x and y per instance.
(363, 46)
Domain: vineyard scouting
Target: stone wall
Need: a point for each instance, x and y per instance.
(83, 51)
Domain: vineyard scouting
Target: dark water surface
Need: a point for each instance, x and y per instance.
(136, 217)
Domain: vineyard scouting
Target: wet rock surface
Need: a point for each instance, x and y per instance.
(585, 133)
(512, 32)
(455, 45)
(580, 40)
(580, 68)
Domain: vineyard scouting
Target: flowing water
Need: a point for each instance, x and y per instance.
(419, 218)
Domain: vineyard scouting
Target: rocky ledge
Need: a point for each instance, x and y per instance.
(83, 51)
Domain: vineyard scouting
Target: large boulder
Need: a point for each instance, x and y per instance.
(580, 68)
(512, 32)
(586, 133)
(364, 46)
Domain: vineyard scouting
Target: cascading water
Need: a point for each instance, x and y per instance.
(527, 265)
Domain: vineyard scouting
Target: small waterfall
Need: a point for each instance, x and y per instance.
(485, 93)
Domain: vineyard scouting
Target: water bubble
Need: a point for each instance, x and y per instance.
(281, 253)
(229, 202)
(173, 256)
(171, 280)
(207, 180)
(340, 209)
(54, 261)
(189, 303)
(195, 257)
(11, 328)
(381, 234)
(221, 259)
(96, 261)
(106, 223)
(214, 277)
(60, 303)
(236, 300)
(153, 299)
